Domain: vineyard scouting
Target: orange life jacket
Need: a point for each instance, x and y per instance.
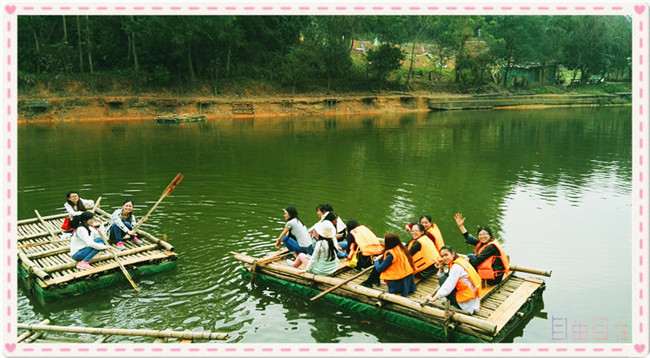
(426, 256)
(400, 267)
(366, 240)
(437, 236)
(485, 270)
(464, 292)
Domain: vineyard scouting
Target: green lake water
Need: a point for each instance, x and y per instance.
(554, 185)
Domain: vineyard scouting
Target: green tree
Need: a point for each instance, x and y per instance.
(384, 60)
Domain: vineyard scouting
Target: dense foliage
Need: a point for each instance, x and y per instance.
(309, 53)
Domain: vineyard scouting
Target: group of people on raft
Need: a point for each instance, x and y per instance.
(320, 248)
(86, 240)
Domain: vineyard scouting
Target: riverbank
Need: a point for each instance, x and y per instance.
(147, 107)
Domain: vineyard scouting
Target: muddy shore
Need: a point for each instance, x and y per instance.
(147, 107)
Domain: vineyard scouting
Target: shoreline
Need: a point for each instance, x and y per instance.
(140, 108)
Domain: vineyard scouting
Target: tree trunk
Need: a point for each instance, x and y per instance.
(81, 55)
(228, 59)
(190, 66)
(38, 52)
(89, 45)
(136, 64)
(505, 74)
(408, 76)
(65, 32)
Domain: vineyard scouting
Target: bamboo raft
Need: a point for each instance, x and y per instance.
(503, 307)
(180, 119)
(42, 333)
(49, 273)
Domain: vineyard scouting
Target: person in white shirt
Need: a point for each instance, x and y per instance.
(294, 235)
(460, 284)
(86, 241)
(74, 206)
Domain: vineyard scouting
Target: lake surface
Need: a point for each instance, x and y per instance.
(554, 185)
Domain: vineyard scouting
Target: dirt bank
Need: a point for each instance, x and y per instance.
(75, 108)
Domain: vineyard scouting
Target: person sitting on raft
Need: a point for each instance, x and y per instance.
(460, 283)
(322, 210)
(489, 258)
(341, 246)
(121, 223)
(323, 261)
(86, 241)
(361, 237)
(431, 230)
(423, 251)
(294, 236)
(75, 205)
(395, 266)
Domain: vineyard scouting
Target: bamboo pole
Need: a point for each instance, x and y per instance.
(35, 220)
(533, 271)
(483, 326)
(124, 271)
(29, 332)
(272, 257)
(126, 332)
(341, 284)
(43, 243)
(47, 228)
(32, 267)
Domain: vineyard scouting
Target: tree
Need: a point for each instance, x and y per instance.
(381, 62)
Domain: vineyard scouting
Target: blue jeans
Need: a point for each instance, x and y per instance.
(116, 233)
(293, 246)
(87, 252)
(343, 254)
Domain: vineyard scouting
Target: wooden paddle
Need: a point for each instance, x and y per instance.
(342, 283)
(103, 236)
(177, 179)
(124, 271)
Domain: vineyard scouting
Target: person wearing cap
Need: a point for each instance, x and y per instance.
(86, 241)
(323, 261)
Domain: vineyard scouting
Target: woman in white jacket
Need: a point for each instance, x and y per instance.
(86, 241)
(74, 206)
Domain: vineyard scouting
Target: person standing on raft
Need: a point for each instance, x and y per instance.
(460, 283)
(86, 241)
(489, 258)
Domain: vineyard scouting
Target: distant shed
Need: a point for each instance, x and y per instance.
(532, 74)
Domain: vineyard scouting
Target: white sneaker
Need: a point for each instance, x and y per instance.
(289, 262)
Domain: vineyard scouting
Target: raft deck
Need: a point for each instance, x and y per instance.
(503, 307)
(48, 271)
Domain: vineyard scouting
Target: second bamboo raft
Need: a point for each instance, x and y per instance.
(49, 273)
